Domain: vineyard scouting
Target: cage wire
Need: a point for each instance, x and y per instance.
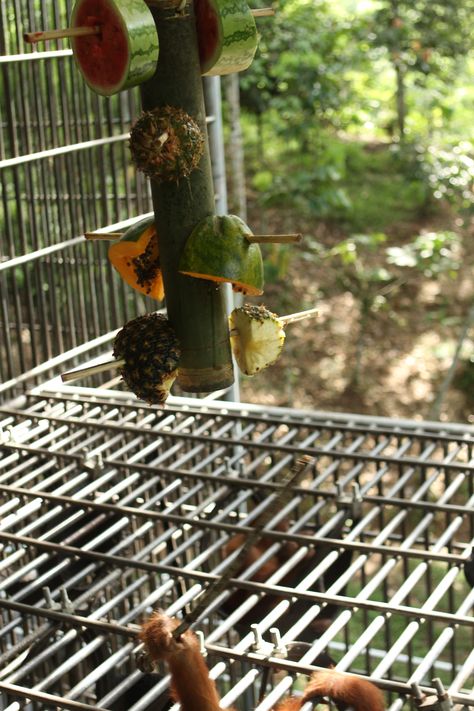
(110, 508)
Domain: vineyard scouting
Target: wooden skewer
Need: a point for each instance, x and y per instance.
(108, 236)
(44, 35)
(275, 239)
(91, 370)
(299, 316)
(263, 12)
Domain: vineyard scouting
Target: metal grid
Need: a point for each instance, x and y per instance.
(65, 169)
(117, 508)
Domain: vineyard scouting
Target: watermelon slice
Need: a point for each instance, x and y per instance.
(227, 36)
(124, 53)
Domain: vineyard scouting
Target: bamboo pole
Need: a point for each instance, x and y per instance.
(275, 239)
(196, 308)
(45, 35)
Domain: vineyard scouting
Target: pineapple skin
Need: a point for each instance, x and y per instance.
(151, 352)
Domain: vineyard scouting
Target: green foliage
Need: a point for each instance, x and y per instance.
(420, 34)
(312, 184)
(449, 173)
(358, 271)
(300, 67)
(432, 253)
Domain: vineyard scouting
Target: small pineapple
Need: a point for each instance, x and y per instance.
(256, 336)
(166, 144)
(151, 352)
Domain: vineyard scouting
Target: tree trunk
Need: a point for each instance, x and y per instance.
(196, 307)
(400, 96)
(236, 147)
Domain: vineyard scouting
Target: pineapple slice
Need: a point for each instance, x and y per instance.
(256, 337)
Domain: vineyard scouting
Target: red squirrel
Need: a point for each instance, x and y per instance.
(298, 608)
(195, 691)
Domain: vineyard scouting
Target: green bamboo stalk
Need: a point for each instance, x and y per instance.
(196, 308)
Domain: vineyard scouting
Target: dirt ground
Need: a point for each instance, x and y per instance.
(407, 347)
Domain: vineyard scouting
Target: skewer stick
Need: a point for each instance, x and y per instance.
(263, 12)
(92, 370)
(44, 35)
(109, 236)
(285, 320)
(276, 239)
(299, 316)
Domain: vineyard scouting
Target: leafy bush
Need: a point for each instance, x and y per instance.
(311, 184)
(449, 173)
(432, 253)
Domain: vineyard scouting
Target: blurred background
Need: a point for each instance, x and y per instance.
(357, 130)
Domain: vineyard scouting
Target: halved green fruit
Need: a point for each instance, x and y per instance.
(227, 36)
(218, 250)
(124, 53)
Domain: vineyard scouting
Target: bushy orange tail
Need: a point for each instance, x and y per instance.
(345, 690)
(190, 682)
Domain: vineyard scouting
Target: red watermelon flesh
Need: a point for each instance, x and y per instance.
(103, 58)
(207, 30)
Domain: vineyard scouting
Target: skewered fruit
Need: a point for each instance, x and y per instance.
(151, 352)
(125, 51)
(227, 36)
(136, 257)
(218, 250)
(256, 337)
(166, 143)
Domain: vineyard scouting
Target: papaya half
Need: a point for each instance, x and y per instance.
(136, 257)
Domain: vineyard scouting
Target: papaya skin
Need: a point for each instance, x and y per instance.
(128, 255)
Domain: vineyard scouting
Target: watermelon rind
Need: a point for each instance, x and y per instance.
(138, 26)
(218, 250)
(238, 38)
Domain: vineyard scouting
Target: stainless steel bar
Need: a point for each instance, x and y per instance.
(35, 56)
(271, 447)
(58, 701)
(278, 590)
(332, 422)
(299, 538)
(61, 150)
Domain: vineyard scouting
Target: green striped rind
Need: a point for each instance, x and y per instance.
(239, 38)
(136, 230)
(217, 247)
(142, 38)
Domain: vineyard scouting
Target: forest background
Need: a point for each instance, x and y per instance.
(355, 128)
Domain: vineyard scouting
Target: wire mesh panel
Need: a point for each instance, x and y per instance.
(64, 169)
(111, 509)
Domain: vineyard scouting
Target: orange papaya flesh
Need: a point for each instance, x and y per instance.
(136, 258)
